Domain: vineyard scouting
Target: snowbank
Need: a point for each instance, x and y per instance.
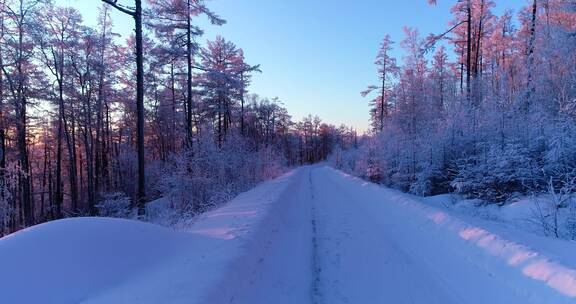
(516, 221)
(101, 260)
(541, 269)
(69, 260)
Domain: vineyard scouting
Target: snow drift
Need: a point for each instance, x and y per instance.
(102, 260)
(313, 235)
(69, 260)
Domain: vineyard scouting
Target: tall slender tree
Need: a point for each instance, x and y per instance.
(531, 90)
(175, 18)
(136, 13)
(58, 34)
(21, 17)
(221, 82)
(387, 69)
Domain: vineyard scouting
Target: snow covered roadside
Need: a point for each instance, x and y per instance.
(478, 263)
(95, 260)
(516, 221)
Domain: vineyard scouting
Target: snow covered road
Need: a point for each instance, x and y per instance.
(342, 240)
(373, 251)
(313, 236)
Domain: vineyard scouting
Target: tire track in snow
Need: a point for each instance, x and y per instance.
(316, 268)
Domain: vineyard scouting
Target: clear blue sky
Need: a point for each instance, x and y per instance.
(316, 55)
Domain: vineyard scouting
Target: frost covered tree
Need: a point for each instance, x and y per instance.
(92, 94)
(9, 181)
(387, 70)
(23, 81)
(175, 19)
(59, 33)
(221, 83)
(494, 121)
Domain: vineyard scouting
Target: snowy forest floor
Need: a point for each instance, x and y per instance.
(314, 235)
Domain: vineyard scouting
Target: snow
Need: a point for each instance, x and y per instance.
(408, 252)
(517, 212)
(69, 260)
(314, 235)
(515, 221)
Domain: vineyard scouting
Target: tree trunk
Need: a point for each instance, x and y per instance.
(477, 65)
(469, 50)
(73, 162)
(101, 170)
(172, 143)
(24, 178)
(2, 152)
(45, 180)
(140, 109)
(25, 184)
(2, 126)
(58, 195)
(70, 144)
(2, 168)
(531, 89)
(88, 150)
(189, 77)
(383, 101)
(137, 15)
(242, 104)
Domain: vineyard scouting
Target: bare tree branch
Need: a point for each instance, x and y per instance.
(114, 3)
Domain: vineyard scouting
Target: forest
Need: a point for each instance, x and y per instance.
(94, 125)
(485, 109)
